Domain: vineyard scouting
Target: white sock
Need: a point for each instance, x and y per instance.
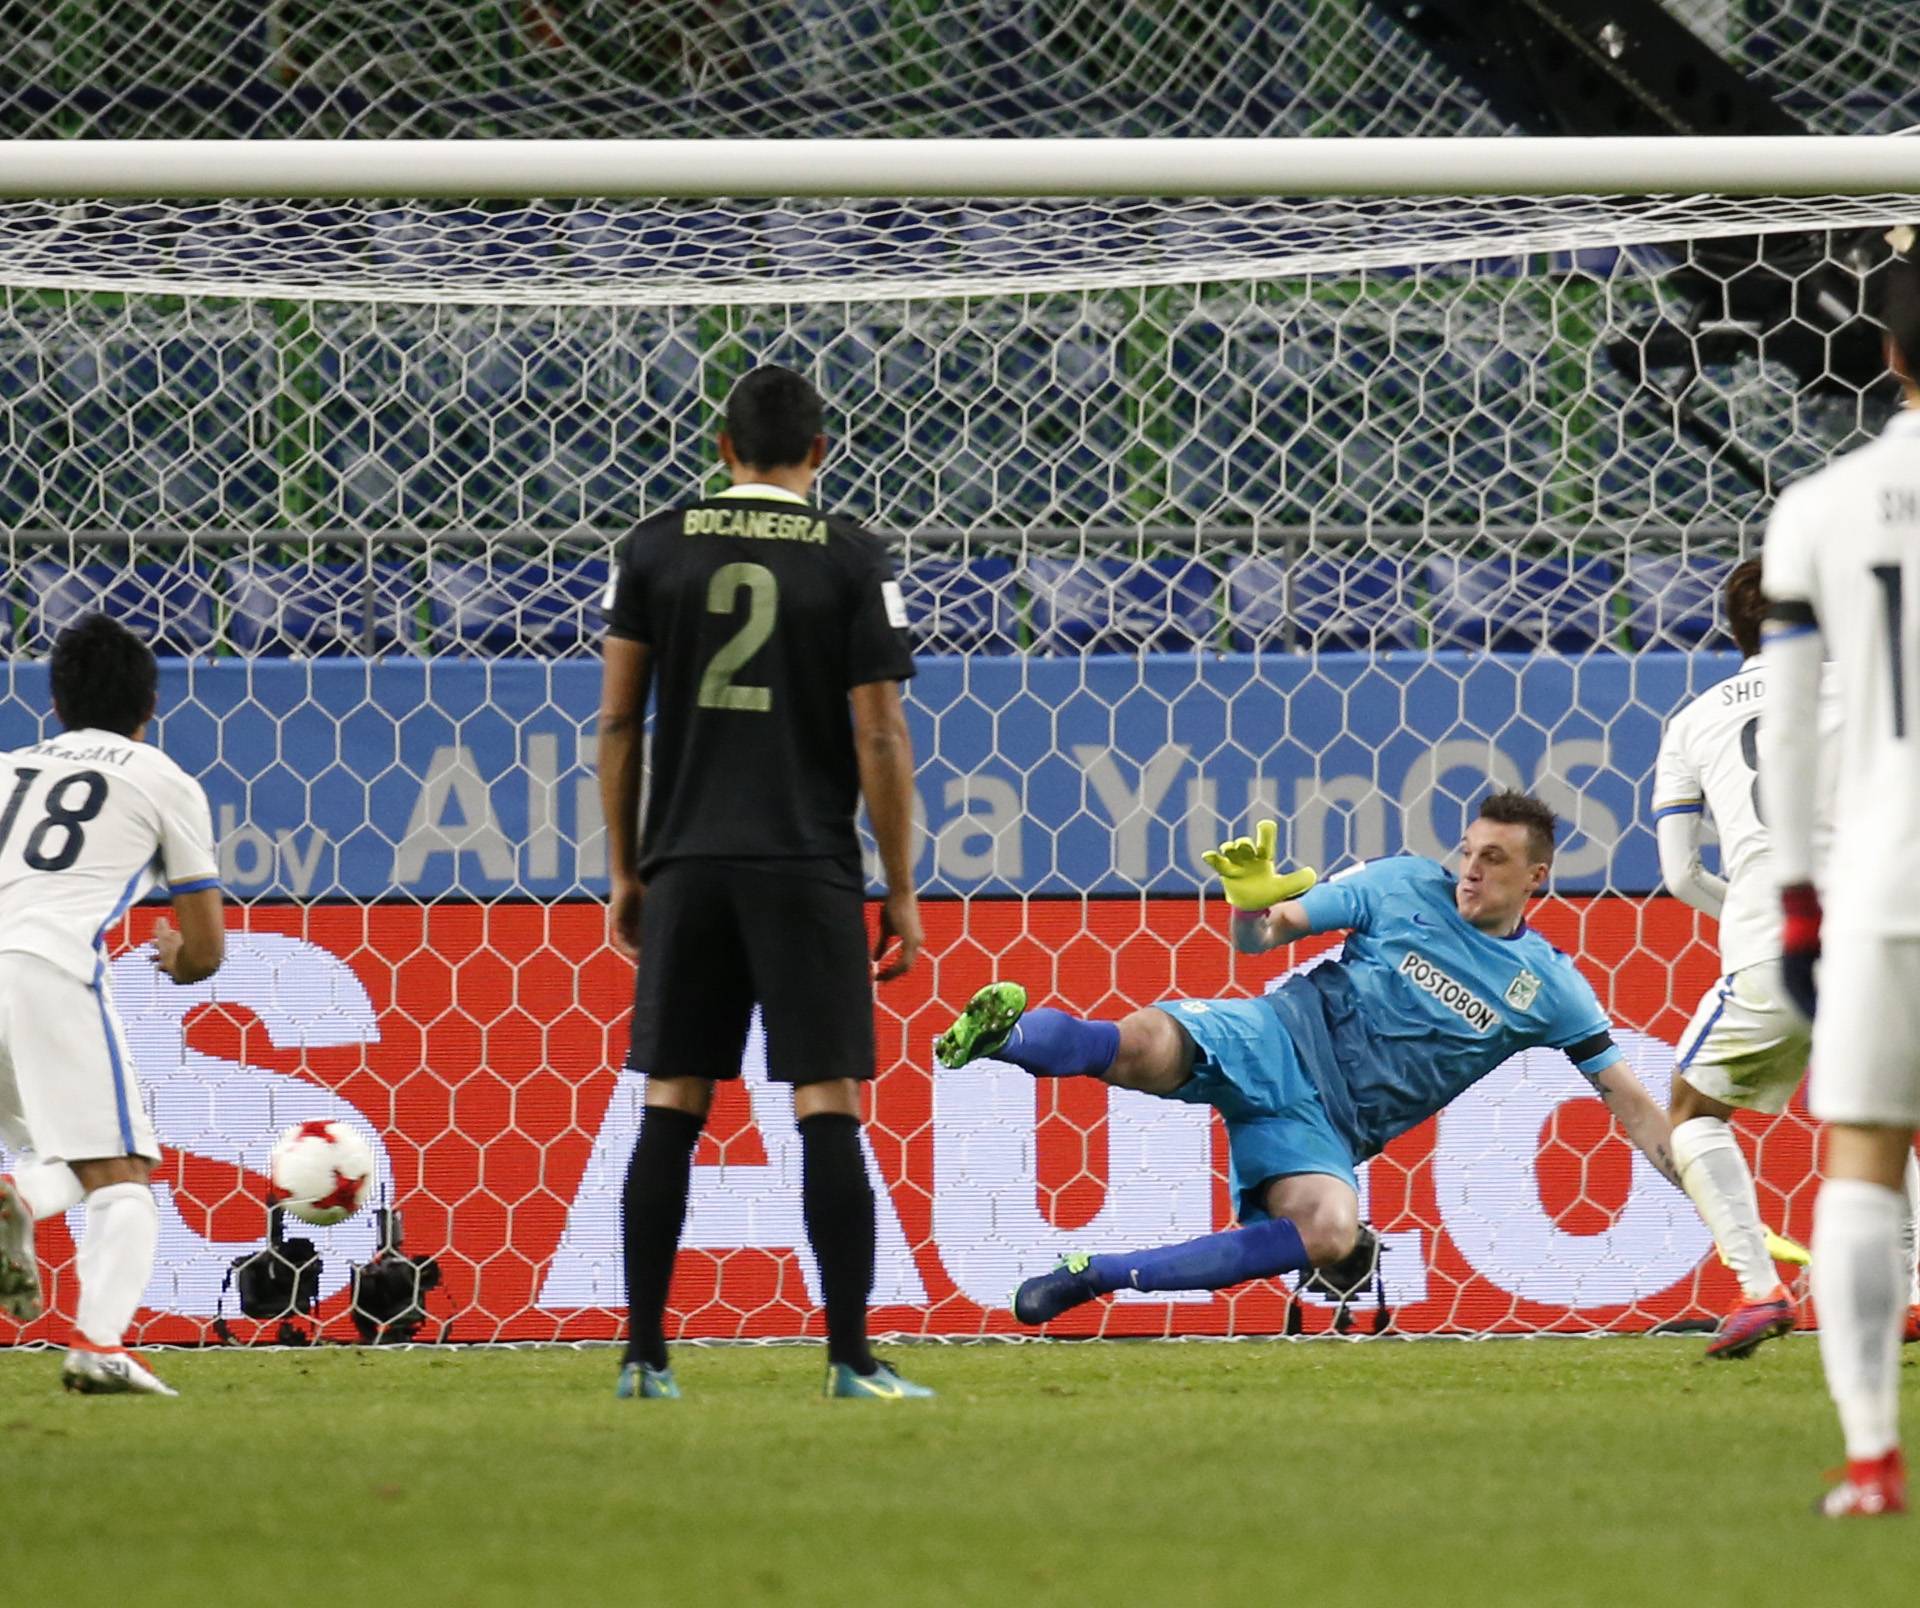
(48, 1188)
(1860, 1290)
(1715, 1174)
(1911, 1230)
(116, 1260)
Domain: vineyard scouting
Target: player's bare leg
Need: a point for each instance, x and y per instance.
(1715, 1175)
(1860, 1287)
(115, 1262)
(19, 1267)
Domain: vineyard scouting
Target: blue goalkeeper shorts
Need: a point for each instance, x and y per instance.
(1247, 1068)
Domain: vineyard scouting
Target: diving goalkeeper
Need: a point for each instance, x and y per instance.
(1439, 982)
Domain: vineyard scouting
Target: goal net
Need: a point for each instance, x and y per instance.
(1335, 508)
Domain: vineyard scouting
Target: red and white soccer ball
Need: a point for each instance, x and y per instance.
(321, 1172)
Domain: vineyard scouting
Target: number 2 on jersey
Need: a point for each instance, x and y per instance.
(718, 689)
(64, 815)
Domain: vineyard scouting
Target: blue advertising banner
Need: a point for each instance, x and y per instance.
(474, 778)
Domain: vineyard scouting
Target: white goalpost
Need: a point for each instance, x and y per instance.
(468, 169)
(1336, 478)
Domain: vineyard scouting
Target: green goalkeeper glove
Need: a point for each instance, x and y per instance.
(1246, 870)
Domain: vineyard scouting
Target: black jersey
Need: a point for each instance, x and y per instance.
(761, 611)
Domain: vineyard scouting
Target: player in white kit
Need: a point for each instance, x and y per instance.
(90, 821)
(1843, 576)
(1746, 1047)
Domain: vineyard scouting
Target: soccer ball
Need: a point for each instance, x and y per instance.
(321, 1172)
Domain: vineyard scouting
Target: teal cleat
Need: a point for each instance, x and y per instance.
(1042, 1299)
(638, 1382)
(983, 1026)
(883, 1384)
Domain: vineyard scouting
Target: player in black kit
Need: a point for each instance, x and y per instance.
(772, 637)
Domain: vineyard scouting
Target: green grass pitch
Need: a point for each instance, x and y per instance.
(1623, 1472)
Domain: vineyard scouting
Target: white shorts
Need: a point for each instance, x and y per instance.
(1746, 1046)
(68, 1091)
(1866, 1042)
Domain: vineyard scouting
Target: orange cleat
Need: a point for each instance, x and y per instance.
(1873, 1488)
(1912, 1332)
(1749, 1325)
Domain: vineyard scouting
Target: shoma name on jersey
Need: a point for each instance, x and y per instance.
(759, 523)
(1456, 996)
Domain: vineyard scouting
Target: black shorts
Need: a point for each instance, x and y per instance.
(718, 937)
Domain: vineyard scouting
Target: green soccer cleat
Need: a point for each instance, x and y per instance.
(982, 1027)
(883, 1384)
(638, 1382)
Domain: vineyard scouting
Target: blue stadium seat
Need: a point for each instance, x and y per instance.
(316, 610)
(169, 604)
(1517, 605)
(1106, 605)
(506, 606)
(960, 605)
(1673, 602)
(1339, 603)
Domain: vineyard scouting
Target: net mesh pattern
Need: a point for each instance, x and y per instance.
(1333, 510)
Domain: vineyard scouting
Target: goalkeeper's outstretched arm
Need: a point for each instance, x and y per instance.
(1265, 900)
(1646, 1124)
(1254, 932)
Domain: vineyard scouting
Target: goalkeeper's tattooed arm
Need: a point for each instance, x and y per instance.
(1645, 1122)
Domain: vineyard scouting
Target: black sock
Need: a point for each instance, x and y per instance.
(838, 1202)
(653, 1209)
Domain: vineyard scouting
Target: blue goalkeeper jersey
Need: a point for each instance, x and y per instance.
(1421, 1004)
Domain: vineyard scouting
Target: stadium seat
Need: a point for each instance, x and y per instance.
(498, 607)
(315, 610)
(169, 604)
(1516, 605)
(1105, 605)
(960, 605)
(1673, 601)
(1338, 603)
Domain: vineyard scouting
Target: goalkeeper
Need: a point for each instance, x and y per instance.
(1439, 982)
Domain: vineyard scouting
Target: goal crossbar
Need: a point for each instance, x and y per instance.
(1851, 165)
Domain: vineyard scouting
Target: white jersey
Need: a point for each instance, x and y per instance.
(1710, 762)
(89, 822)
(1846, 541)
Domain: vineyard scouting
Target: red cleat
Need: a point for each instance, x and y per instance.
(1874, 1488)
(1912, 1333)
(1752, 1323)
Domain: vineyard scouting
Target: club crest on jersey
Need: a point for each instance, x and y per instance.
(1523, 991)
(1453, 994)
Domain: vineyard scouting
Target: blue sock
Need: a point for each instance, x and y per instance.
(1212, 1262)
(1052, 1044)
